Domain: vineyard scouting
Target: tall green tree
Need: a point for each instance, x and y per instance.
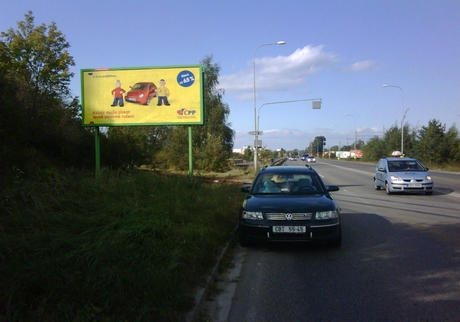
(37, 56)
(435, 145)
(375, 149)
(39, 115)
(213, 141)
(392, 140)
(317, 145)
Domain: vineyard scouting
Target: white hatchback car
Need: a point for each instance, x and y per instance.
(402, 175)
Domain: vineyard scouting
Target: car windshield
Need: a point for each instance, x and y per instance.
(293, 183)
(140, 86)
(404, 165)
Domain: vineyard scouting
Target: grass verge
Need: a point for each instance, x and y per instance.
(122, 247)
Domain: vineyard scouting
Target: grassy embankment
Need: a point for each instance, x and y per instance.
(122, 247)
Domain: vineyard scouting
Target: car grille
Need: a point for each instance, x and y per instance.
(413, 180)
(282, 216)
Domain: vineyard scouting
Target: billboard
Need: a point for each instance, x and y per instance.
(142, 96)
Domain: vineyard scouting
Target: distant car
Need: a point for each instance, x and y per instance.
(289, 203)
(292, 158)
(141, 93)
(304, 157)
(402, 175)
(311, 158)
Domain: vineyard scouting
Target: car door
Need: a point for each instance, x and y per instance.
(381, 173)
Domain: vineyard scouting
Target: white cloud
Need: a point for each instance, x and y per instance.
(278, 73)
(360, 66)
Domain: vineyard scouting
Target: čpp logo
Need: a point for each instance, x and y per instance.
(184, 111)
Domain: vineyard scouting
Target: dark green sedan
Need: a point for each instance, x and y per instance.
(289, 203)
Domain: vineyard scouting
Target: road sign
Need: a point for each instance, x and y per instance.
(316, 105)
(254, 133)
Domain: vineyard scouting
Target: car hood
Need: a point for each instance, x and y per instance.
(410, 174)
(289, 203)
(137, 91)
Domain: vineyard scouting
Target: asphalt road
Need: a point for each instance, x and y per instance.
(399, 260)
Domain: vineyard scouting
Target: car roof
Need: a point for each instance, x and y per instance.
(400, 159)
(287, 169)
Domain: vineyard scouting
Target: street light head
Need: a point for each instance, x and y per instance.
(281, 42)
(385, 85)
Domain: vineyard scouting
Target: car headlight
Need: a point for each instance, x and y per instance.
(428, 178)
(321, 215)
(141, 95)
(254, 215)
(394, 178)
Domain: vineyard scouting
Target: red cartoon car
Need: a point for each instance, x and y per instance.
(141, 93)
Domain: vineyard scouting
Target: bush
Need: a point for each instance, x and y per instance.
(120, 247)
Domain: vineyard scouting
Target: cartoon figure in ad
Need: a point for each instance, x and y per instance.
(162, 93)
(117, 94)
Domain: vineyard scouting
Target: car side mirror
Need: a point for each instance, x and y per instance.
(382, 170)
(245, 189)
(332, 188)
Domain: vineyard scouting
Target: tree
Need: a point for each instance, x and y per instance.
(38, 57)
(248, 153)
(375, 149)
(38, 114)
(213, 141)
(392, 140)
(318, 144)
(435, 145)
(134, 146)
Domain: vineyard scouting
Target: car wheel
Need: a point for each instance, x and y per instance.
(429, 193)
(376, 186)
(387, 188)
(147, 102)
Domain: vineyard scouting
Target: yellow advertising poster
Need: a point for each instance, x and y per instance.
(142, 96)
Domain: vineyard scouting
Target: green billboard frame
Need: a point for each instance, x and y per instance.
(178, 91)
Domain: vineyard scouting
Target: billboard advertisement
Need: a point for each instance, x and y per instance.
(142, 96)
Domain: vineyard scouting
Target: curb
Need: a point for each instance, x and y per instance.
(200, 297)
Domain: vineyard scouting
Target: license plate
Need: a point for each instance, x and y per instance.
(414, 185)
(289, 229)
(131, 99)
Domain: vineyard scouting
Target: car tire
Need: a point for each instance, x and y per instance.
(147, 102)
(429, 193)
(387, 188)
(376, 186)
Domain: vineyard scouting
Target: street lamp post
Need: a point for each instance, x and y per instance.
(256, 134)
(402, 119)
(315, 106)
(354, 121)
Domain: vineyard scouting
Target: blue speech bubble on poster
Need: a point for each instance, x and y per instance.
(185, 78)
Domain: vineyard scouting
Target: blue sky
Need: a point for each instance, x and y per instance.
(339, 51)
